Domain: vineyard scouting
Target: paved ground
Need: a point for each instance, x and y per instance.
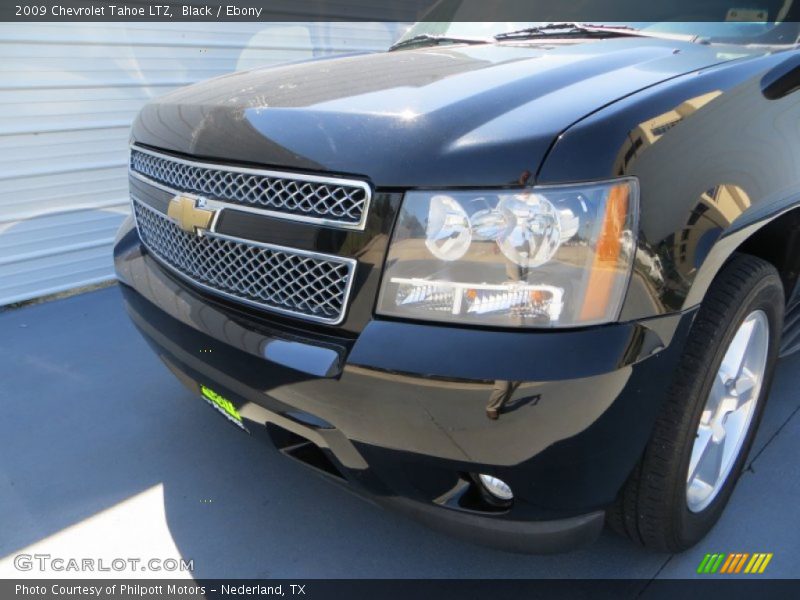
(103, 454)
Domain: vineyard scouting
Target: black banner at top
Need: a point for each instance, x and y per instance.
(534, 11)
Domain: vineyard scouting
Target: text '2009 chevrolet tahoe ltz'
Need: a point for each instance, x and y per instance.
(515, 280)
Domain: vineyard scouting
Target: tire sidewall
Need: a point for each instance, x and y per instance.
(766, 296)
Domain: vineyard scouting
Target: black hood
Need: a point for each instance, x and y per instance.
(446, 116)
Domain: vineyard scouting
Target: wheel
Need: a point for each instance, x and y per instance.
(714, 403)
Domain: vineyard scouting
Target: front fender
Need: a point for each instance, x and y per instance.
(716, 161)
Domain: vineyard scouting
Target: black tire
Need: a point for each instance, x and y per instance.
(651, 508)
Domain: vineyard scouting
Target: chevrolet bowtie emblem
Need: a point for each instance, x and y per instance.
(186, 212)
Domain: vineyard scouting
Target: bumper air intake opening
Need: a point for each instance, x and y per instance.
(303, 450)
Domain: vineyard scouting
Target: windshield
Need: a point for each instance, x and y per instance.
(714, 21)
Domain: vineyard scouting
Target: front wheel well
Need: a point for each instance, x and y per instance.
(778, 243)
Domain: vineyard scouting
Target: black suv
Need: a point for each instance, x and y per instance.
(515, 280)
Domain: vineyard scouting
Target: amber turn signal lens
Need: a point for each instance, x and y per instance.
(607, 266)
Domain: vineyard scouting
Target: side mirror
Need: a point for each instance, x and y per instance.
(783, 79)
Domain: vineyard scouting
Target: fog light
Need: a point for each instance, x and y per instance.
(496, 487)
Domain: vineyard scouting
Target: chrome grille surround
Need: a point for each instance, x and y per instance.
(330, 201)
(302, 284)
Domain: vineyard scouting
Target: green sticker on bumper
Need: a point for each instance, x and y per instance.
(223, 405)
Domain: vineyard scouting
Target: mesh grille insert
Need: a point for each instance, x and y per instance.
(329, 200)
(281, 279)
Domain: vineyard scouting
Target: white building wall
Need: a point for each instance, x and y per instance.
(68, 94)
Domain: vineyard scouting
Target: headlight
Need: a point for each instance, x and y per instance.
(555, 256)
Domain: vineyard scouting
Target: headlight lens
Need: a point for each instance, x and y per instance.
(554, 256)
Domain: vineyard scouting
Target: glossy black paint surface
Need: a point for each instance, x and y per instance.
(715, 159)
(569, 427)
(409, 410)
(466, 116)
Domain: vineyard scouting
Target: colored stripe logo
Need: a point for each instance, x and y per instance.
(737, 562)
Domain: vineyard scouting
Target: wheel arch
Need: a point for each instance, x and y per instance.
(778, 243)
(774, 239)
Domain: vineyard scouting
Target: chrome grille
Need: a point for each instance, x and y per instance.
(284, 280)
(333, 201)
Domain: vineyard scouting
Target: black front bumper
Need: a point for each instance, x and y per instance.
(406, 414)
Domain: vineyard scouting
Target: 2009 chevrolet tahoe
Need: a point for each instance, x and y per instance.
(513, 279)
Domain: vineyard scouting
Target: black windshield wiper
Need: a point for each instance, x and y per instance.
(564, 29)
(427, 39)
(572, 29)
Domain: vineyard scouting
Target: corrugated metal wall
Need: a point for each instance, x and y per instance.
(68, 94)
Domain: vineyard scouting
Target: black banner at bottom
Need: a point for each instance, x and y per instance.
(396, 589)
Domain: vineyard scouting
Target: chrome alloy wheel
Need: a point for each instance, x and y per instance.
(728, 411)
